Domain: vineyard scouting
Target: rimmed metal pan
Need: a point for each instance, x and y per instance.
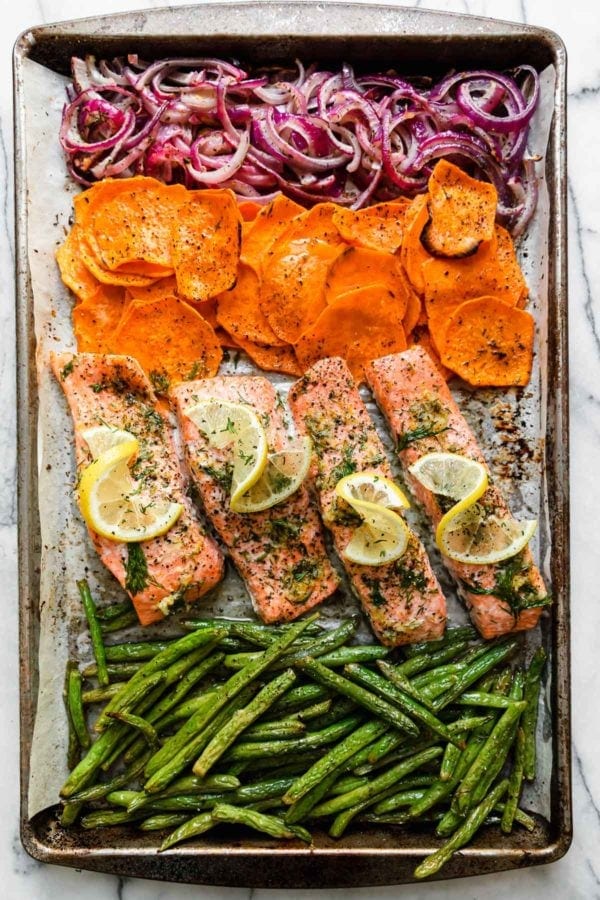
(411, 41)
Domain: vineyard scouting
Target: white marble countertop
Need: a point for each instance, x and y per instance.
(578, 874)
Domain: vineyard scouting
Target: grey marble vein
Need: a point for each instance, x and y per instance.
(582, 776)
(589, 306)
(588, 90)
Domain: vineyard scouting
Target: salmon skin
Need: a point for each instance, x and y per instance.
(424, 418)
(279, 552)
(402, 599)
(182, 564)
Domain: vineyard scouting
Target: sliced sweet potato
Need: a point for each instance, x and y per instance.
(462, 212)
(206, 244)
(358, 267)
(414, 311)
(360, 326)
(272, 359)
(489, 343)
(412, 252)
(511, 285)
(73, 272)
(208, 310)
(493, 270)
(271, 222)
(378, 227)
(151, 270)
(164, 287)
(249, 210)
(169, 339)
(239, 312)
(422, 337)
(127, 222)
(96, 318)
(225, 339)
(106, 276)
(293, 277)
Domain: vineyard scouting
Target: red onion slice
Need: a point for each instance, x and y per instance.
(316, 135)
(227, 170)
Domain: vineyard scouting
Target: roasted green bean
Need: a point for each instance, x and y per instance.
(95, 631)
(530, 716)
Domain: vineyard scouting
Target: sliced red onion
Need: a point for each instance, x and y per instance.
(349, 80)
(114, 73)
(147, 129)
(325, 92)
(247, 192)
(123, 121)
(115, 165)
(296, 157)
(524, 191)
(87, 75)
(218, 66)
(227, 170)
(447, 144)
(364, 198)
(516, 116)
(319, 135)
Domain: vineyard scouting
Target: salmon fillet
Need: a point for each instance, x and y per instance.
(279, 552)
(182, 564)
(402, 599)
(415, 399)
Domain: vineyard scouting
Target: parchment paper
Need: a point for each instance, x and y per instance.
(509, 425)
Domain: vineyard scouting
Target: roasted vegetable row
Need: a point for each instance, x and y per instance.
(281, 728)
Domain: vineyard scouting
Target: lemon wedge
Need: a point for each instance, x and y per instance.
(237, 428)
(109, 503)
(383, 535)
(468, 533)
(101, 438)
(369, 487)
(451, 475)
(284, 473)
(475, 537)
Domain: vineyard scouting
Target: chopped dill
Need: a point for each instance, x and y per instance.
(513, 586)
(409, 579)
(136, 569)
(283, 530)
(160, 382)
(346, 467)
(194, 371)
(417, 434)
(300, 579)
(374, 587)
(305, 569)
(153, 419)
(222, 475)
(279, 480)
(67, 370)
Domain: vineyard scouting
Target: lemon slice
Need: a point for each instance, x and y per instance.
(369, 487)
(284, 473)
(475, 537)
(453, 476)
(383, 535)
(237, 428)
(110, 506)
(101, 438)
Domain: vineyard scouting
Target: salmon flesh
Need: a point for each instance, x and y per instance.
(402, 599)
(424, 418)
(279, 552)
(182, 564)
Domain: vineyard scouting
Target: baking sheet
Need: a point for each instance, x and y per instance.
(510, 425)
